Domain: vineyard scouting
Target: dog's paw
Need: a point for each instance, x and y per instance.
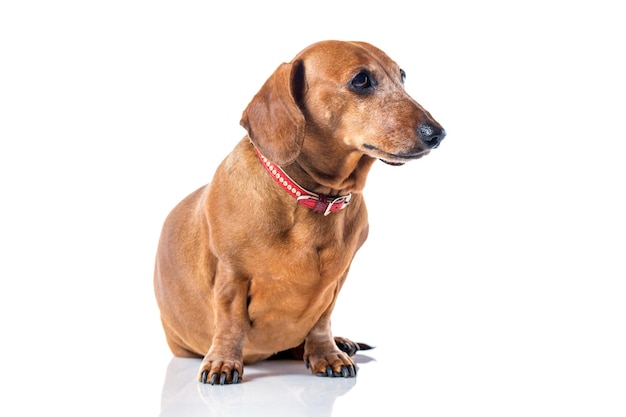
(333, 364)
(220, 371)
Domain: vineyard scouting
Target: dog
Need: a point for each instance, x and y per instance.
(249, 266)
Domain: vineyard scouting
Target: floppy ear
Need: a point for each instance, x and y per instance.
(273, 119)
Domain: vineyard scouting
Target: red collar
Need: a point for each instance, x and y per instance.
(319, 203)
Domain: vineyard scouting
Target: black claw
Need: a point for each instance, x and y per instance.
(235, 377)
(223, 378)
(307, 363)
(346, 347)
(213, 379)
(329, 371)
(205, 375)
(344, 372)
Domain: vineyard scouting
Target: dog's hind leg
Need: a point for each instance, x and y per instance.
(345, 345)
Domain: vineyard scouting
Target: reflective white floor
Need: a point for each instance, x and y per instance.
(286, 388)
(270, 388)
(387, 385)
(455, 375)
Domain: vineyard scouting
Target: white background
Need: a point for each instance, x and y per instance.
(493, 279)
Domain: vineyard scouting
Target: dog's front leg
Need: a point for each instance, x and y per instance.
(223, 363)
(322, 355)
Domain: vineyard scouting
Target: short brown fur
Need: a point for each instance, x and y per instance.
(243, 271)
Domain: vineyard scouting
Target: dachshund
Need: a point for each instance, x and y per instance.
(249, 266)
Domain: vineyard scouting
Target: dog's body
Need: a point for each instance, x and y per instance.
(242, 270)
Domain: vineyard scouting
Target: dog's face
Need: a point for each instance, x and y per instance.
(345, 98)
(354, 93)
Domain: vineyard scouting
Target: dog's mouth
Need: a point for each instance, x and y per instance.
(395, 164)
(392, 158)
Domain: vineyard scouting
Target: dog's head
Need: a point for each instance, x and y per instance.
(344, 97)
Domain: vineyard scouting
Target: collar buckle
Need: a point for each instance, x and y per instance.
(321, 203)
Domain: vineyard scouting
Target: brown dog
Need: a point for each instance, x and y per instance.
(251, 264)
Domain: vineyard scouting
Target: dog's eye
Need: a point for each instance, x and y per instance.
(402, 75)
(362, 82)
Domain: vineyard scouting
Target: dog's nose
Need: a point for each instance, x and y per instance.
(431, 135)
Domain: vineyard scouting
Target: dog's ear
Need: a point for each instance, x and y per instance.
(273, 119)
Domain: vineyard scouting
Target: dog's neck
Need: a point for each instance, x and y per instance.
(320, 203)
(313, 174)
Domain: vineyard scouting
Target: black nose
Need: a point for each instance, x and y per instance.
(431, 135)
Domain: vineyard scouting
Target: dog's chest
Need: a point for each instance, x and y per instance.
(321, 254)
(303, 264)
(299, 277)
(284, 303)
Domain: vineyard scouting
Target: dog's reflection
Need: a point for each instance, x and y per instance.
(270, 388)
